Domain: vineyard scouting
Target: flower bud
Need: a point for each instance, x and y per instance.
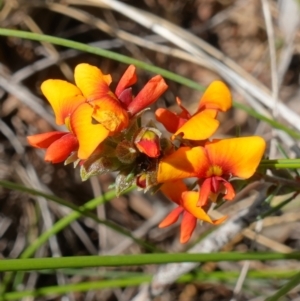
(147, 142)
(126, 152)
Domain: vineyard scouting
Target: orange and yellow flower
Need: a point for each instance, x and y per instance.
(187, 207)
(202, 124)
(214, 164)
(91, 111)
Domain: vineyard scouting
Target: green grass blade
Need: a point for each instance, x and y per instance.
(128, 60)
(82, 211)
(130, 260)
(134, 280)
(280, 163)
(286, 288)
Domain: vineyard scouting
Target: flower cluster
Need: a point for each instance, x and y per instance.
(105, 133)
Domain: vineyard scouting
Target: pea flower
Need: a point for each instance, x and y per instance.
(214, 164)
(91, 111)
(202, 124)
(187, 207)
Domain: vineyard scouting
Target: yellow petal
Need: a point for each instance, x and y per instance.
(237, 156)
(110, 113)
(91, 81)
(217, 96)
(189, 203)
(63, 97)
(200, 126)
(186, 162)
(88, 132)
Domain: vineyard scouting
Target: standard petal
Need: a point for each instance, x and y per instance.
(61, 149)
(92, 82)
(110, 114)
(186, 162)
(44, 140)
(154, 88)
(217, 96)
(188, 225)
(173, 190)
(169, 120)
(63, 97)
(171, 218)
(200, 126)
(128, 79)
(88, 132)
(189, 203)
(237, 156)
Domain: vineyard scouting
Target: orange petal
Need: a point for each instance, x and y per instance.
(44, 140)
(154, 88)
(230, 193)
(61, 149)
(217, 96)
(184, 112)
(188, 225)
(91, 81)
(88, 132)
(189, 203)
(186, 162)
(237, 156)
(190, 199)
(128, 79)
(205, 191)
(200, 126)
(63, 97)
(171, 218)
(110, 114)
(170, 120)
(173, 190)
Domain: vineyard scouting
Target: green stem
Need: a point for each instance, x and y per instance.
(280, 163)
(129, 260)
(134, 280)
(82, 210)
(128, 60)
(286, 288)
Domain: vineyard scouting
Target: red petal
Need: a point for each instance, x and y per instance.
(128, 79)
(170, 120)
(126, 97)
(171, 218)
(61, 149)
(185, 113)
(230, 193)
(155, 87)
(188, 225)
(205, 191)
(44, 140)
